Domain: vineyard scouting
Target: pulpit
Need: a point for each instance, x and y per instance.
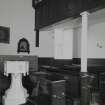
(16, 94)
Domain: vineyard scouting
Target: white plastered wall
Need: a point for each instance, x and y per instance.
(19, 16)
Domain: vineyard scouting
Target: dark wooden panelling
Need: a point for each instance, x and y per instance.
(76, 61)
(62, 62)
(51, 11)
(63, 66)
(72, 85)
(102, 88)
(45, 61)
(54, 62)
(57, 68)
(98, 61)
(94, 64)
(33, 61)
(55, 89)
(92, 5)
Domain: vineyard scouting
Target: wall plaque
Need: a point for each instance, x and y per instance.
(4, 34)
(23, 46)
